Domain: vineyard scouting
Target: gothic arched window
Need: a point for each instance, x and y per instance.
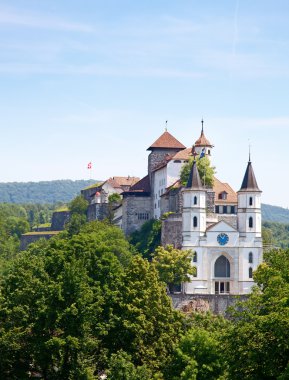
(195, 221)
(250, 257)
(222, 267)
(250, 222)
(251, 201)
(195, 200)
(250, 272)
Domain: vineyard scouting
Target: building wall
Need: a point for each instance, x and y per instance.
(136, 211)
(172, 231)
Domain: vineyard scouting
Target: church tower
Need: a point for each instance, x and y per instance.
(249, 206)
(194, 209)
(203, 144)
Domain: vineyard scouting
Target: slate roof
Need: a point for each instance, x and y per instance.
(167, 141)
(249, 182)
(194, 181)
(142, 185)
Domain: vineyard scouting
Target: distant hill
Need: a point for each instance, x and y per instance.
(42, 192)
(275, 214)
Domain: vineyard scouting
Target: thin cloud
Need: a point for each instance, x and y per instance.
(40, 21)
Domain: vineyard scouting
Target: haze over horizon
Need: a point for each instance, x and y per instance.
(95, 81)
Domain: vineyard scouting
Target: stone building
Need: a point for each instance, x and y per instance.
(221, 226)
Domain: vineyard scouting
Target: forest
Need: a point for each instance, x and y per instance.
(90, 304)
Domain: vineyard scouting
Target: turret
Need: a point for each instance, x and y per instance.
(249, 205)
(203, 144)
(194, 209)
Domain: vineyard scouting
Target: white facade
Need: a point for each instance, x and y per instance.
(225, 257)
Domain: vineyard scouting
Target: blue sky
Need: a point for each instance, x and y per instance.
(96, 80)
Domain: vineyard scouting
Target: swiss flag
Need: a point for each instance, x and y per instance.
(89, 165)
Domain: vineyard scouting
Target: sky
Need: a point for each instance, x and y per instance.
(96, 81)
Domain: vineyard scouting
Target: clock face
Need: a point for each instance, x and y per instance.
(223, 239)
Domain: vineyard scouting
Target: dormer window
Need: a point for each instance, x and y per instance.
(223, 195)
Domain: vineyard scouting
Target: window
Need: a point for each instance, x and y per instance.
(195, 200)
(177, 161)
(217, 209)
(251, 201)
(232, 209)
(222, 267)
(143, 216)
(250, 222)
(195, 259)
(209, 152)
(250, 257)
(195, 221)
(223, 195)
(222, 287)
(250, 272)
(224, 209)
(195, 272)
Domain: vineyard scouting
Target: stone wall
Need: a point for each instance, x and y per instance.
(216, 303)
(136, 211)
(29, 238)
(210, 200)
(97, 211)
(172, 231)
(158, 156)
(59, 219)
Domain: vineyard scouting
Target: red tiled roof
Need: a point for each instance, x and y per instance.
(220, 187)
(203, 141)
(166, 140)
(118, 182)
(184, 154)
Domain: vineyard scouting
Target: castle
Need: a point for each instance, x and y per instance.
(222, 227)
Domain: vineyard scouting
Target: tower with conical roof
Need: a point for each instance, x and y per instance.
(203, 144)
(249, 205)
(194, 209)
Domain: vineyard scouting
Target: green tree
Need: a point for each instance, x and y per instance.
(256, 346)
(174, 265)
(68, 304)
(78, 210)
(205, 169)
(147, 238)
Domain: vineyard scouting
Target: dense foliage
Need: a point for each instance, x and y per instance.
(68, 304)
(42, 192)
(276, 234)
(206, 171)
(274, 214)
(147, 238)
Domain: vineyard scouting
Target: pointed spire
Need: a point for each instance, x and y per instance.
(249, 182)
(194, 181)
(202, 140)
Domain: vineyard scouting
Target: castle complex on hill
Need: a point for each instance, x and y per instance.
(222, 227)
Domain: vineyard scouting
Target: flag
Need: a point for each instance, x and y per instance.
(203, 153)
(89, 165)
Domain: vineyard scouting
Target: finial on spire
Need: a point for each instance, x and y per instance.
(166, 127)
(249, 151)
(202, 121)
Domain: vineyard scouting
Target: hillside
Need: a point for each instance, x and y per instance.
(48, 192)
(275, 214)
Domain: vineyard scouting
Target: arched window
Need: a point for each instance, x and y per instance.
(251, 201)
(222, 267)
(195, 221)
(195, 259)
(250, 272)
(250, 222)
(250, 257)
(195, 200)
(195, 272)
